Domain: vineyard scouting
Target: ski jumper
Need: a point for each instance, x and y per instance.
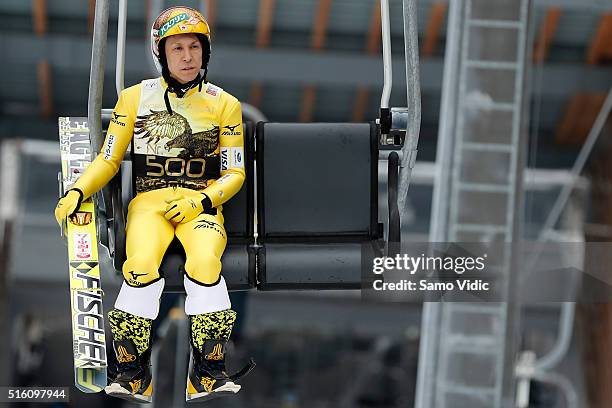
(197, 148)
(186, 139)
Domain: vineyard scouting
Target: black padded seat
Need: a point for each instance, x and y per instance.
(317, 203)
(310, 266)
(239, 256)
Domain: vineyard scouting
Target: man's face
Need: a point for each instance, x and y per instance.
(184, 56)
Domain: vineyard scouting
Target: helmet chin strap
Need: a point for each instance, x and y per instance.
(179, 89)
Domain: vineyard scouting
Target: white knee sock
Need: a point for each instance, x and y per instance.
(143, 302)
(205, 299)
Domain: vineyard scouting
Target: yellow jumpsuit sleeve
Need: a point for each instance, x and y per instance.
(231, 145)
(118, 137)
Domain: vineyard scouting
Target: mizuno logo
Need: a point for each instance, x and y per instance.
(207, 224)
(210, 225)
(232, 130)
(123, 356)
(136, 275)
(116, 117)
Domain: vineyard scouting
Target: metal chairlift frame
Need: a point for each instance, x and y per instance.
(391, 119)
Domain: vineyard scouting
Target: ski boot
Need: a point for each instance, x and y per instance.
(130, 376)
(133, 381)
(207, 377)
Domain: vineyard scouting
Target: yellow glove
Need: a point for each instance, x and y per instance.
(183, 210)
(68, 205)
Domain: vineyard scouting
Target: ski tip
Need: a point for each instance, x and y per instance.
(90, 380)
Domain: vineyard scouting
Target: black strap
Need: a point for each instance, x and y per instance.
(81, 195)
(179, 89)
(207, 205)
(168, 107)
(243, 372)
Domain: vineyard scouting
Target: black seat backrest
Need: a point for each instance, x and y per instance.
(317, 180)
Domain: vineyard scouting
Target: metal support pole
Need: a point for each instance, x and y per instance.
(156, 9)
(428, 346)
(387, 60)
(441, 193)
(9, 210)
(413, 89)
(566, 325)
(121, 30)
(96, 76)
(96, 90)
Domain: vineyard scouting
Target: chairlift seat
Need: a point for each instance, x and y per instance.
(317, 207)
(317, 203)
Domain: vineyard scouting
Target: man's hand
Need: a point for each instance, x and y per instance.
(68, 205)
(183, 210)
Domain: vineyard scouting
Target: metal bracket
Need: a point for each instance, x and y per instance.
(393, 126)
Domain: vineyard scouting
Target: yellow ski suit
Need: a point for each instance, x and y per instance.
(197, 148)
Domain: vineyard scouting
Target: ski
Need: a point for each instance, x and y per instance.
(88, 339)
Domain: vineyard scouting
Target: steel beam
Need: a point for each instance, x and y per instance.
(280, 66)
(576, 5)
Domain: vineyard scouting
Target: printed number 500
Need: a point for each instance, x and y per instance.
(179, 169)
